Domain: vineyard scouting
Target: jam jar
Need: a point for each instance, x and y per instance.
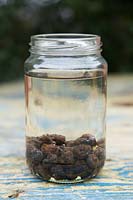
(65, 92)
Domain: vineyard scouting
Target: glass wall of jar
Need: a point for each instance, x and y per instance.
(65, 87)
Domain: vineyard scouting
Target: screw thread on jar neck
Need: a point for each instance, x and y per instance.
(65, 44)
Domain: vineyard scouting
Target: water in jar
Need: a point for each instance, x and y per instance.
(65, 111)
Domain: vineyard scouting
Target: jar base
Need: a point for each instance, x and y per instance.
(77, 180)
(66, 181)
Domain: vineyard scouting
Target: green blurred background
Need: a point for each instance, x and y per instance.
(19, 19)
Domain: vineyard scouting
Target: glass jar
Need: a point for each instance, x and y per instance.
(65, 86)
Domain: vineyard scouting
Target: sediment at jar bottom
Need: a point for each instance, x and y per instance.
(51, 156)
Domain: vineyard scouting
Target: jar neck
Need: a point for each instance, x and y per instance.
(65, 44)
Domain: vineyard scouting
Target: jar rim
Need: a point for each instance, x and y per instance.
(65, 44)
(65, 36)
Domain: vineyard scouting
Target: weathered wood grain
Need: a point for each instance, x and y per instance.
(116, 178)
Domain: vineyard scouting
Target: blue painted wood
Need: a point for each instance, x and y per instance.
(114, 182)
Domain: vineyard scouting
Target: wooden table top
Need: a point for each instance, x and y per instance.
(114, 182)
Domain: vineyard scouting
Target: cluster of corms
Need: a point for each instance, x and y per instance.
(51, 156)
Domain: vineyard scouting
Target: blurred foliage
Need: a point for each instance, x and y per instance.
(111, 19)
